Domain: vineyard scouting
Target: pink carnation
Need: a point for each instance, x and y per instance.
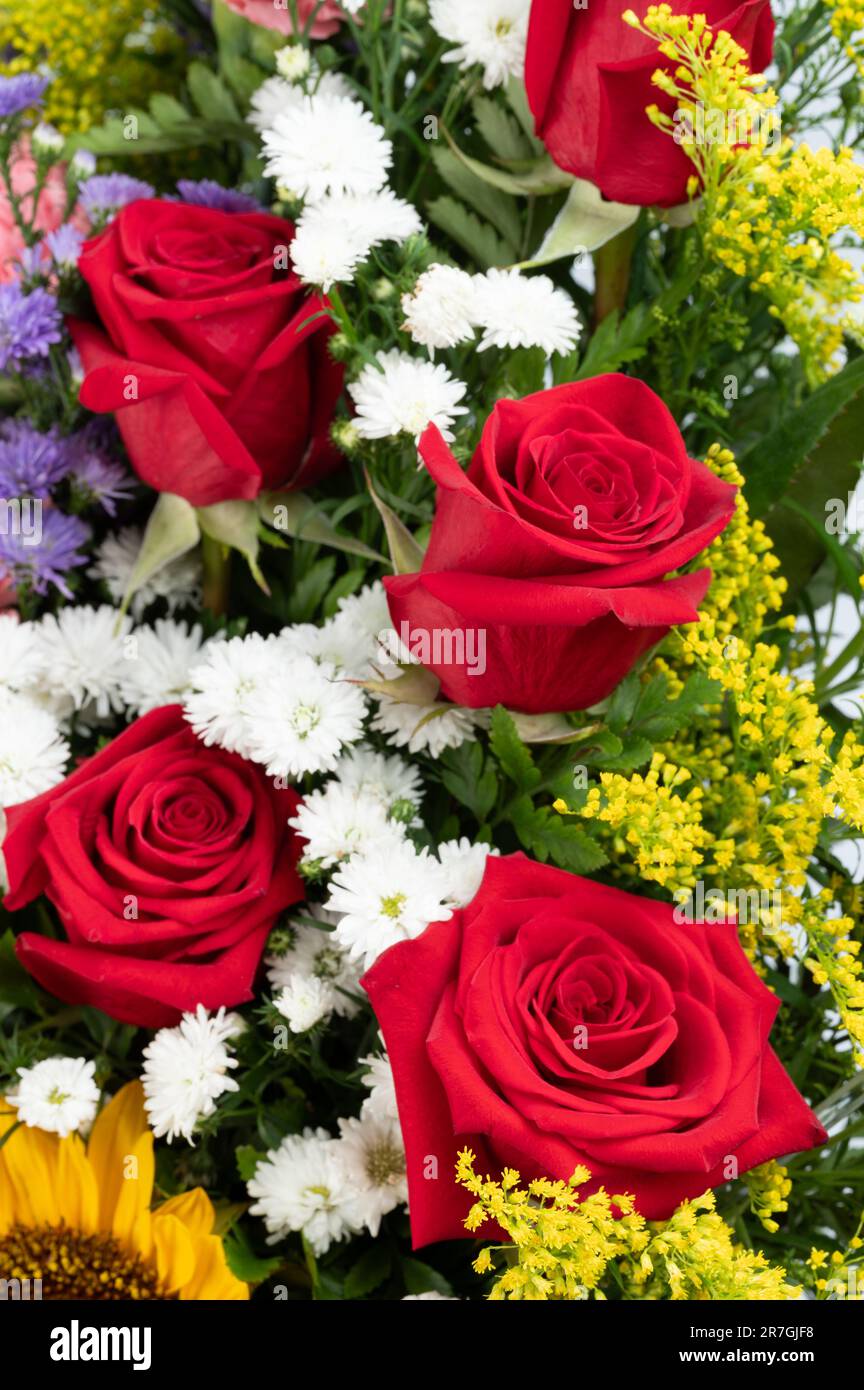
(276, 14)
(51, 211)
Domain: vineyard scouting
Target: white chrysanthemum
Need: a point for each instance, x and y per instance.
(33, 753)
(337, 821)
(59, 1095)
(381, 1100)
(426, 728)
(515, 310)
(367, 609)
(346, 645)
(323, 254)
(385, 776)
(276, 96)
(186, 1071)
(439, 309)
(160, 659)
(304, 1001)
(293, 62)
(402, 395)
(314, 978)
(82, 657)
(373, 1155)
(178, 583)
(19, 652)
(334, 235)
(302, 1186)
(464, 865)
(299, 720)
(326, 144)
(385, 895)
(490, 33)
(223, 685)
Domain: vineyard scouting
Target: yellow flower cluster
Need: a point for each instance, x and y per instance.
(769, 1185)
(104, 54)
(847, 26)
(839, 1274)
(833, 960)
(693, 1256)
(769, 211)
(561, 1247)
(660, 827)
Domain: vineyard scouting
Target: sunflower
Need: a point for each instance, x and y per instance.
(79, 1218)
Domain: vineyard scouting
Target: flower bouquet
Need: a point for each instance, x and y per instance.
(431, 749)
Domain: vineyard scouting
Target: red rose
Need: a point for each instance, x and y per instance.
(588, 79)
(276, 14)
(214, 360)
(168, 863)
(548, 555)
(556, 1022)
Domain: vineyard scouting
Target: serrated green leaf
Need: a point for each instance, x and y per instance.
(171, 531)
(549, 836)
(616, 342)
(514, 757)
(371, 1269)
(167, 111)
(495, 207)
(211, 96)
(501, 131)
(244, 1263)
(541, 177)
(467, 779)
(480, 240)
(247, 1159)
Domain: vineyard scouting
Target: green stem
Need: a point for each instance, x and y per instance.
(612, 271)
(216, 564)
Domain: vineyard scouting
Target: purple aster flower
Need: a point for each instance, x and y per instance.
(42, 554)
(65, 246)
(206, 193)
(97, 477)
(104, 194)
(31, 463)
(19, 93)
(29, 324)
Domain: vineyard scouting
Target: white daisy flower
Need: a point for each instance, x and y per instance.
(222, 686)
(314, 976)
(379, 1081)
(489, 33)
(439, 309)
(515, 310)
(373, 1155)
(386, 894)
(304, 1001)
(402, 395)
(323, 254)
(33, 753)
(302, 1186)
(385, 776)
(326, 144)
(82, 656)
(19, 652)
(276, 95)
(186, 1071)
(160, 659)
(178, 583)
(337, 821)
(426, 728)
(293, 62)
(299, 720)
(431, 1294)
(346, 644)
(59, 1095)
(367, 609)
(464, 865)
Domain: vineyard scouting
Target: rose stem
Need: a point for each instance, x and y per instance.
(612, 273)
(216, 564)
